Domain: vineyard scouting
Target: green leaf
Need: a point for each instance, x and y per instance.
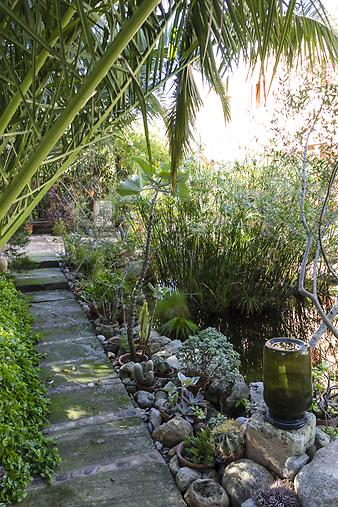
(130, 187)
(147, 168)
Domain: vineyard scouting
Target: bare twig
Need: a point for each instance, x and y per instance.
(313, 296)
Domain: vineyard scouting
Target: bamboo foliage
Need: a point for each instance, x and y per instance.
(71, 70)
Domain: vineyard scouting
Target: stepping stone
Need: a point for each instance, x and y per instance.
(73, 350)
(148, 483)
(67, 333)
(72, 374)
(101, 443)
(87, 401)
(41, 279)
(52, 295)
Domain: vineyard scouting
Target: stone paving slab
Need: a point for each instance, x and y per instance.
(40, 279)
(78, 331)
(150, 485)
(71, 349)
(97, 400)
(49, 295)
(72, 373)
(102, 443)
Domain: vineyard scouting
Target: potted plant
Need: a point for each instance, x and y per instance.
(206, 355)
(126, 356)
(144, 376)
(287, 380)
(229, 441)
(197, 452)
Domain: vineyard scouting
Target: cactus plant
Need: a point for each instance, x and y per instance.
(228, 440)
(144, 324)
(144, 373)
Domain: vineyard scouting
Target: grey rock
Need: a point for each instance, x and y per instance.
(145, 399)
(257, 403)
(172, 451)
(271, 446)
(206, 493)
(85, 308)
(321, 439)
(173, 432)
(160, 404)
(294, 464)
(158, 343)
(174, 465)
(241, 478)
(311, 451)
(317, 483)
(211, 474)
(158, 446)
(249, 503)
(127, 370)
(150, 427)
(216, 388)
(101, 338)
(185, 476)
(155, 417)
(161, 395)
(173, 362)
(239, 392)
(242, 420)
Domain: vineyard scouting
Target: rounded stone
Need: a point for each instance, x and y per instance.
(145, 399)
(185, 476)
(241, 479)
(206, 493)
(317, 483)
(173, 432)
(174, 465)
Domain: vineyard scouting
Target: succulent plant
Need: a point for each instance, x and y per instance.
(144, 324)
(144, 373)
(229, 439)
(279, 494)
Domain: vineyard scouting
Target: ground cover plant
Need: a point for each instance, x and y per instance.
(24, 451)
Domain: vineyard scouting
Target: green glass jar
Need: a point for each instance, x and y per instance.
(287, 377)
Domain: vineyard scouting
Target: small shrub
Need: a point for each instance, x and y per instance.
(209, 354)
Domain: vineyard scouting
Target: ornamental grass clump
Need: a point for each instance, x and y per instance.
(209, 354)
(24, 451)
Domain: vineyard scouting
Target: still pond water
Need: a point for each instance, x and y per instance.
(248, 335)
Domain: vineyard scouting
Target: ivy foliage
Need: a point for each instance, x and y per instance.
(24, 451)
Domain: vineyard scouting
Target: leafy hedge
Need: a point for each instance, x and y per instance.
(24, 451)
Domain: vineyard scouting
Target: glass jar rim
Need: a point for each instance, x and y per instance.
(273, 344)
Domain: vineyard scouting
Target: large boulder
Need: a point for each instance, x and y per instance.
(242, 478)
(173, 432)
(271, 446)
(317, 483)
(206, 493)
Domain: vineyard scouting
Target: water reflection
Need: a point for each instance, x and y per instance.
(248, 335)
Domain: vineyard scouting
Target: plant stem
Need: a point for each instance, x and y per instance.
(140, 280)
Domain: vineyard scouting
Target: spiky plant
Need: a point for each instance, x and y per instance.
(279, 494)
(228, 439)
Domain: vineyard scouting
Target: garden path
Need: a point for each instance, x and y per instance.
(108, 457)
